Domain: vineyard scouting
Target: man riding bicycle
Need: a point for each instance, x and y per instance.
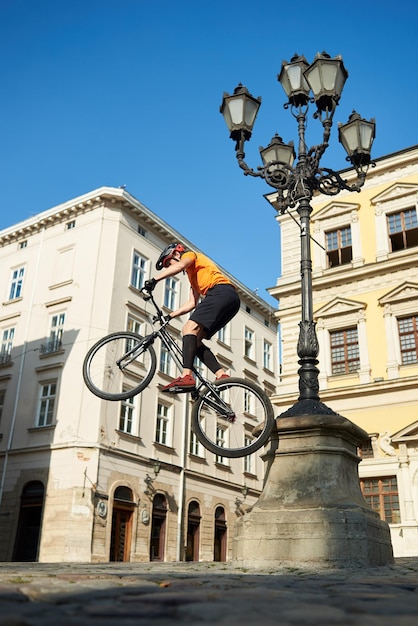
(213, 300)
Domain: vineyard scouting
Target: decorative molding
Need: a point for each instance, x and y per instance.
(407, 291)
(340, 306)
(394, 192)
(334, 209)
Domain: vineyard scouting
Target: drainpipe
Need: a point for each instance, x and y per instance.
(182, 480)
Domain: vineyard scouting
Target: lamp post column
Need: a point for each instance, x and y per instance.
(308, 347)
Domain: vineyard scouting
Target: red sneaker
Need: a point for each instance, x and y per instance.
(180, 384)
(223, 376)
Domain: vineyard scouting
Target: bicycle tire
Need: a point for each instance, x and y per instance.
(252, 409)
(106, 379)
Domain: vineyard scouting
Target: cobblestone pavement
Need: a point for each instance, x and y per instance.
(125, 594)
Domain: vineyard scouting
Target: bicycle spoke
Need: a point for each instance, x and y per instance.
(119, 366)
(240, 428)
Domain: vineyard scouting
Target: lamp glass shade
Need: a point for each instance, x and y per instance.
(357, 135)
(326, 78)
(240, 109)
(277, 151)
(293, 81)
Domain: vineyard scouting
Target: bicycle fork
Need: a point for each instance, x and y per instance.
(134, 353)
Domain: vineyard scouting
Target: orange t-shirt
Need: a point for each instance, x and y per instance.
(203, 273)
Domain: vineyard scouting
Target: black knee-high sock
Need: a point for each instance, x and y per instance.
(189, 350)
(208, 358)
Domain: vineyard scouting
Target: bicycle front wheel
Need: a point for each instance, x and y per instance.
(119, 366)
(240, 430)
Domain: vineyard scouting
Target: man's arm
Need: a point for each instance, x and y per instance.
(174, 268)
(187, 306)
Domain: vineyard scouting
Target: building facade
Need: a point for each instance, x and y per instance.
(365, 294)
(83, 479)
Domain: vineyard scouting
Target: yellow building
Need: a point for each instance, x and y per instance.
(83, 479)
(364, 250)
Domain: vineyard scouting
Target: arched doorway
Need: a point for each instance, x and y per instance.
(158, 527)
(219, 544)
(193, 531)
(29, 524)
(121, 534)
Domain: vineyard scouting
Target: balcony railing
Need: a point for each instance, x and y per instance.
(5, 357)
(50, 347)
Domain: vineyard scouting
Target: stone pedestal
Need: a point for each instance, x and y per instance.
(311, 511)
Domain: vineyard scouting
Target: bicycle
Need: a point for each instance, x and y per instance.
(231, 417)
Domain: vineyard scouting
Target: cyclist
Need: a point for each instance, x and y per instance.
(219, 303)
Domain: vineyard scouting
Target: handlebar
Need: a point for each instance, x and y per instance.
(159, 317)
(146, 294)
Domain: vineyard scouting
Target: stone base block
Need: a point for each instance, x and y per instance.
(308, 538)
(311, 510)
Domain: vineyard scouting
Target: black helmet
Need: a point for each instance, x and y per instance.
(167, 254)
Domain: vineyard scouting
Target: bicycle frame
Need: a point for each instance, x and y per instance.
(216, 402)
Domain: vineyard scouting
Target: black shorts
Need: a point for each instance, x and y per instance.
(217, 308)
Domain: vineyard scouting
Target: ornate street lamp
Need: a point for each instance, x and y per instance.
(320, 83)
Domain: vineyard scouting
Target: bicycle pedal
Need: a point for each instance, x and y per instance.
(178, 390)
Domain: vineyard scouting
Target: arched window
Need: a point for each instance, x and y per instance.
(220, 538)
(29, 524)
(123, 494)
(158, 528)
(193, 531)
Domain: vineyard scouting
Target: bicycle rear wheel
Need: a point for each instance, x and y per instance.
(249, 428)
(119, 366)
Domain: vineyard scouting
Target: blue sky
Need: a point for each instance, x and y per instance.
(127, 92)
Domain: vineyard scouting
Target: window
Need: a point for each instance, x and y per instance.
(249, 343)
(16, 283)
(70, 225)
(267, 352)
(142, 231)
(403, 229)
(47, 404)
(195, 446)
(365, 451)
(408, 338)
(126, 418)
(199, 366)
(248, 460)
(23, 244)
(165, 360)
(224, 335)
(161, 433)
(170, 293)
(382, 495)
(55, 334)
(336, 228)
(345, 354)
(248, 402)
(139, 266)
(338, 246)
(220, 441)
(6, 345)
(134, 325)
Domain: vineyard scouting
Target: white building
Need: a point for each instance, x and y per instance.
(77, 472)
